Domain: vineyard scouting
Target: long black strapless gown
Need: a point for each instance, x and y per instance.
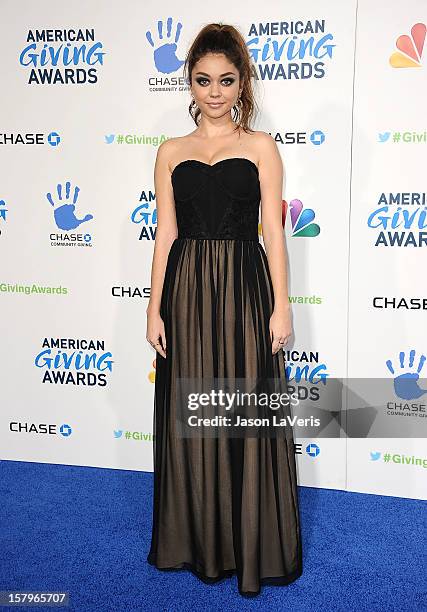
(222, 505)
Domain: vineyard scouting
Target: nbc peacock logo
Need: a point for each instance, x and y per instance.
(301, 220)
(410, 48)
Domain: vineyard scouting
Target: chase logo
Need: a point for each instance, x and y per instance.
(65, 430)
(317, 137)
(63, 202)
(313, 450)
(40, 429)
(410, 48)
(54, 139)
(375, 456)
(164, 45)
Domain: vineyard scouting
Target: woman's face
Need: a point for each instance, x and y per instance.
(215, 85)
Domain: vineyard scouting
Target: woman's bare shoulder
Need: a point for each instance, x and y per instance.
(267, 151)
(263, 138)
(265, 144)
(262, 143)
(170, 145)
(170, 149)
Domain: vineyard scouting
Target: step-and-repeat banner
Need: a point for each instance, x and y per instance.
(89, 91)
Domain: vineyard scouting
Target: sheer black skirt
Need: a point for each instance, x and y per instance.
(222, 505)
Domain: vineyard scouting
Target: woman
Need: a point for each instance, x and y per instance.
(219, 309)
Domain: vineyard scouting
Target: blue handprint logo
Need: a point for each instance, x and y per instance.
(165, 58)
(406, 383)
(64, 214)
(3, 211)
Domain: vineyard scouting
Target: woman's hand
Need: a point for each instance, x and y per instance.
(156, 332)
(280, 328)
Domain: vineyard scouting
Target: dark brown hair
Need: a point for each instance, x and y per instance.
(226, 39)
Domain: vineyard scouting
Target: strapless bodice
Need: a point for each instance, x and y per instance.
(218, 201)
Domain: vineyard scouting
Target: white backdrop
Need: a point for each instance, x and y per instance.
(342, 89)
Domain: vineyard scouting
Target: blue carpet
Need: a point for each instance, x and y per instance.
(87, 531)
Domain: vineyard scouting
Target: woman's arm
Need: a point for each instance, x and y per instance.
(166, 231)
(271, 182)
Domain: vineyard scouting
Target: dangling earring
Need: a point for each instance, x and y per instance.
(237, 108)
(193, 108)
